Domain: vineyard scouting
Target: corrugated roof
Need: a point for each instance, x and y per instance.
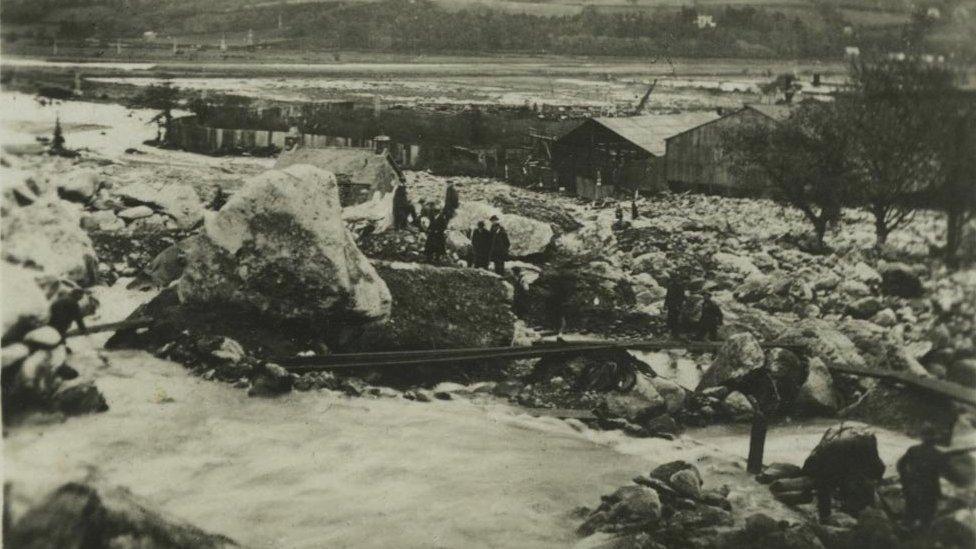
(649, 131)
(776, 112)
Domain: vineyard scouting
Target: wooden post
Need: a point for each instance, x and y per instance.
(757, 439)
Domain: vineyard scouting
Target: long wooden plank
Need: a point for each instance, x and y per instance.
(111, 327)
(954, 391)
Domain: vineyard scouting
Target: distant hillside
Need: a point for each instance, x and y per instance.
(712, 28)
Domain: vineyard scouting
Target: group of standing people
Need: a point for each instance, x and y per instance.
(490, 246)
(711, 314)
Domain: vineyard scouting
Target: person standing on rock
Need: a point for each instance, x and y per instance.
(674, 301)
(500, 245)
(562, 288)
(401, 205)
(451, 201)
(920, 469)
(634, 214)
(711, 319)
(436, 245)
(481, 246)
(65, 311)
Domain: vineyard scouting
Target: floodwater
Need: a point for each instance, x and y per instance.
(321, 469)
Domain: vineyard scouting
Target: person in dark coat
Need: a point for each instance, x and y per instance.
(847, 468)
(66, 311)
(711, 319)
(451, 201)
(520, 297)
(619, 213)
(481, 246)
(401, 206)
(562, 287)
(634, 214)
(436, 245)
(920, 469)
(500, 245)
(674, 301)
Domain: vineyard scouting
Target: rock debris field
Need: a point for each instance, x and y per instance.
(282, 270)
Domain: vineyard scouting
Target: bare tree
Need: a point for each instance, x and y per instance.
(164, 98)
(954, 190)
(889, 115)
(802, 159)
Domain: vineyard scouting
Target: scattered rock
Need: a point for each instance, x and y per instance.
(77, 186)
(687, 483)
(177, 201)
(865, 308)
(898, 280)
(272, 380)
(135, 212)
(78, 398)
(14, 353)
(45, 337)
(738, 406)
(817, 395)
(664, 471)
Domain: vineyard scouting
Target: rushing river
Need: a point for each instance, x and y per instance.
(321, 469)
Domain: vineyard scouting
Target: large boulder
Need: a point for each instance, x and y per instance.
(48, 235)
(821, 340)
(177, 201)
(439, 308)
(77, 516)
(903, 409)
(738, 356)
(279, 246)
(527, 236)
(24, 304)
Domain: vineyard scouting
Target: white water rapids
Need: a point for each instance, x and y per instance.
(324, 470)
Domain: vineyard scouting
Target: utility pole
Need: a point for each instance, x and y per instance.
(118, 46)
(223, 43)
(175, 46)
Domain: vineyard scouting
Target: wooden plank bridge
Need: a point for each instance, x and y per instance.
(946, 389)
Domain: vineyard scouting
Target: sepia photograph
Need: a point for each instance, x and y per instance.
(583, 274)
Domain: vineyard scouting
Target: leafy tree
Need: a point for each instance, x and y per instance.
(803, 159)
(890, 115)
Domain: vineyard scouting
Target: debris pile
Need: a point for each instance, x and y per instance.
(667, 508)
(82, 514)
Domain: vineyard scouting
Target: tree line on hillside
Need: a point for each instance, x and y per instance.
(902, 138)
(423, 26)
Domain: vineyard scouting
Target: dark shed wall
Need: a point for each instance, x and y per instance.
(592, 152)
(695, 159)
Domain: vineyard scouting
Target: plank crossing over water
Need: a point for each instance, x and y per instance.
(313, 363)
